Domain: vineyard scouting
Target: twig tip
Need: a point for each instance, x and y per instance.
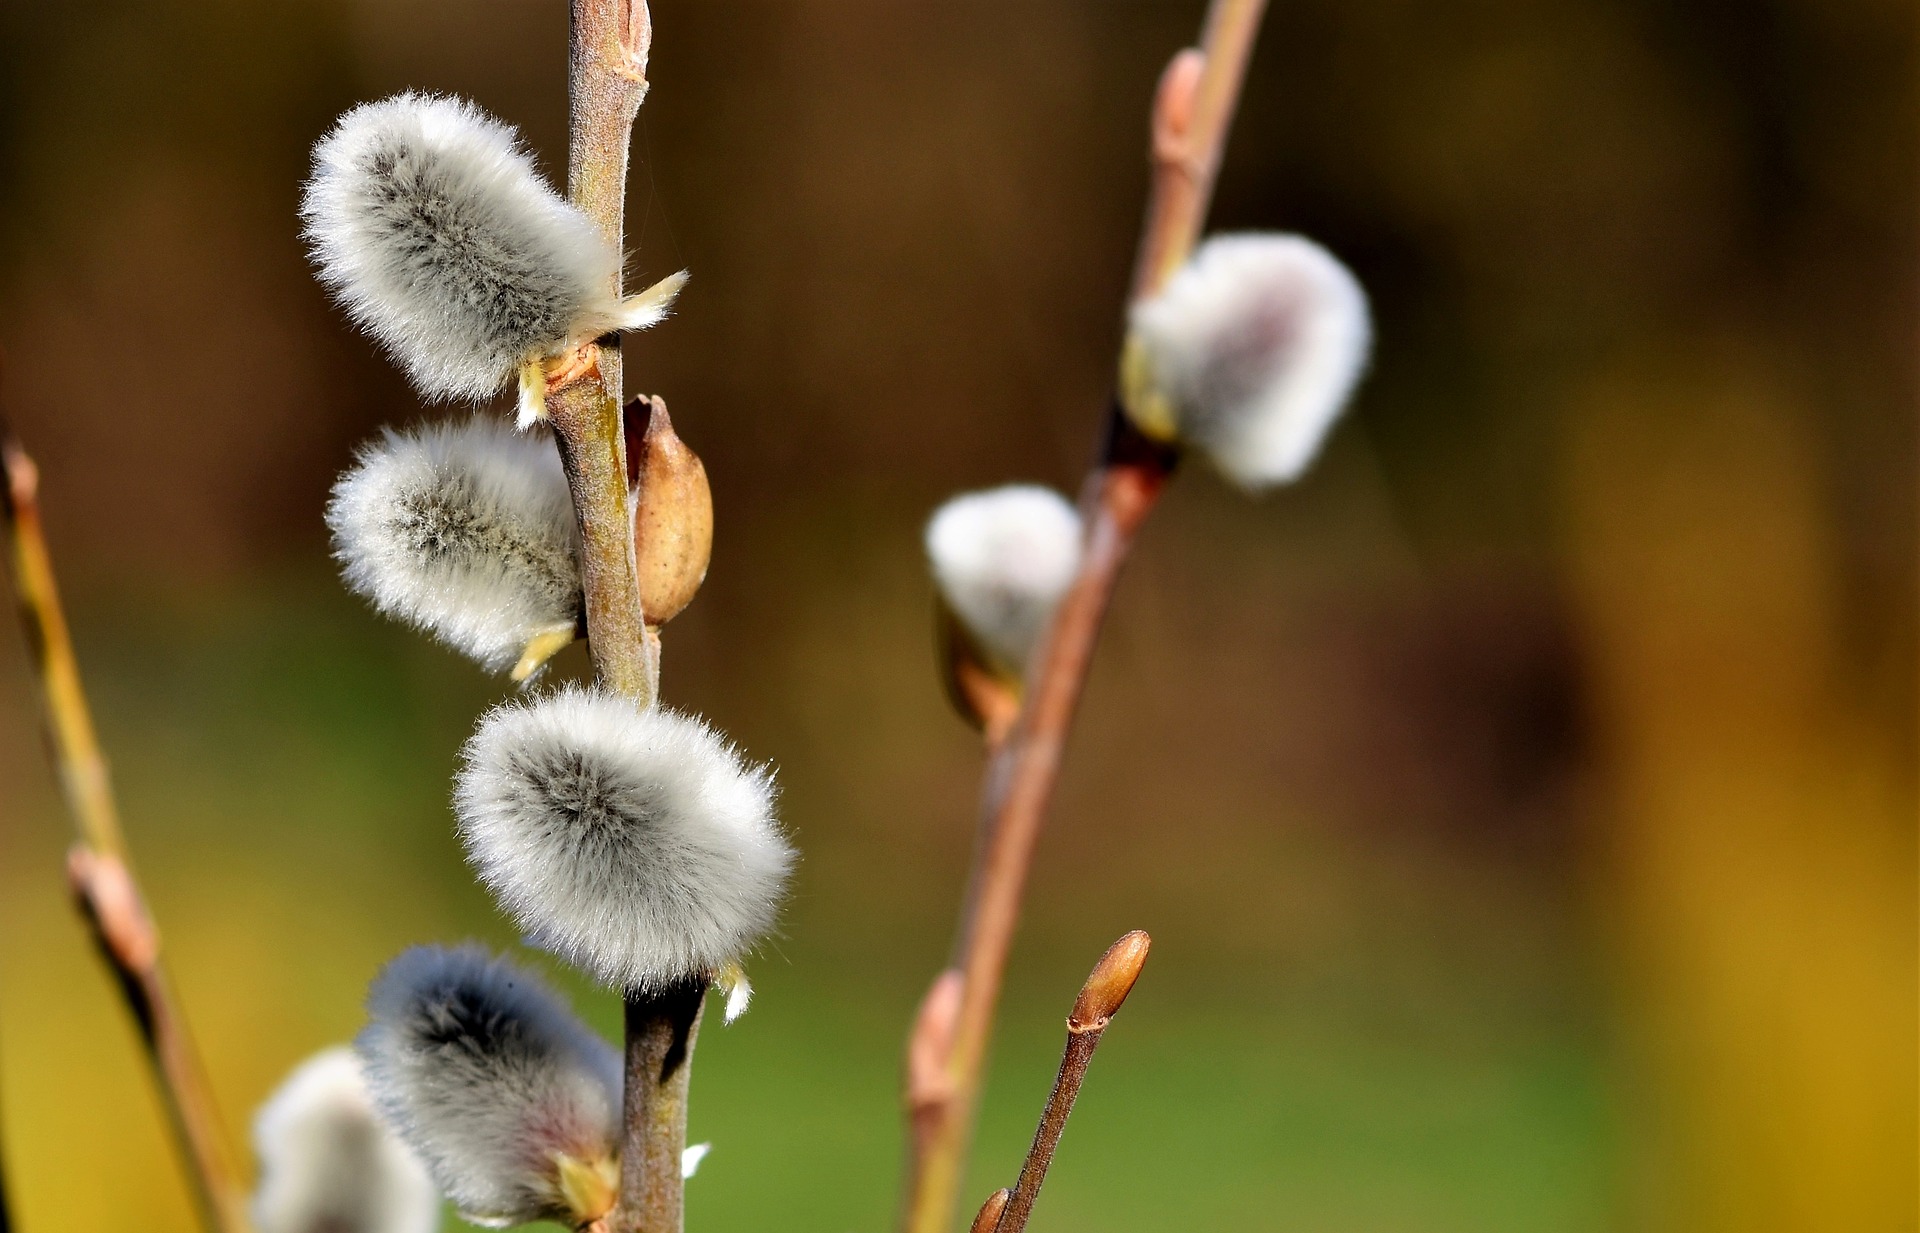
(1110, 982)
(1173, 103)
(989, 1216)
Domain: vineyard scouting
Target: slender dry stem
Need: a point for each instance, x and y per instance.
(661, 1030)
(1053, 1122)
(607, 81)
(1100, 999)
(588, 429)
(102, 881)
(1192, 112)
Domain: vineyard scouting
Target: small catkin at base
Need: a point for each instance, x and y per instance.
(1250, 352)
(1002, 559)
(464, 530)
(327, 1162)
(511, 1102)
(634, 844)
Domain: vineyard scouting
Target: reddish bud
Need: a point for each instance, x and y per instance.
(989, 1216)
(672, 512)
(1112, 979)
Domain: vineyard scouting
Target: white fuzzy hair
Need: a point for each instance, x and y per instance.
(433, 229)
(1258, 342)
(464, 530)
(634, 844)
(490, 1078)
(1002, 559)
(327, 1162)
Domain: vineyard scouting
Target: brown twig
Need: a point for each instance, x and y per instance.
(1199, 92)
(929, 1085)
(102, 881)
(1193, 109)
(607, 79)
(609, 41)
(661, 1030)
(1100, 1000)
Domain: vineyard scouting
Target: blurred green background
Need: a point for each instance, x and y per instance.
(1523, 806)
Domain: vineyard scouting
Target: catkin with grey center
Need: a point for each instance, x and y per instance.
(1242, 361)
(489, 285)
(466, 1027)
(347, 1193)
(607, 826)
(448, 525)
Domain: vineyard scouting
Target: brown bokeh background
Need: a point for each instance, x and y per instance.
(1523, 805)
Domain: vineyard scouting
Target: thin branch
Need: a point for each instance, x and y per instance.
(1199, 93)
(929, 1086)
(1100, 999)
(1193, 108)
(102, 881)
(588, 429)
(607, 81)
(661, 1030)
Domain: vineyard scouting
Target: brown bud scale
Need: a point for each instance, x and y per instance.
(1112, 979)
(672, 512)
(989, 1217)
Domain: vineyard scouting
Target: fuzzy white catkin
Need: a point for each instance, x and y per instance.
(433, 229)
(464, 530)
(327, 1162)
(1002, 559)
(490, 1078)
(634, 844)
(1257, 342)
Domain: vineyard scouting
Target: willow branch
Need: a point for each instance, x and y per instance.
(1192, 112)
(606, 81)
(102, 881)
(1199, 93)
(609, 41)
(1100, 999)
(661, 1030)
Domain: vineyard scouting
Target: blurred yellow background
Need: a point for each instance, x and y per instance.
(1523, 806)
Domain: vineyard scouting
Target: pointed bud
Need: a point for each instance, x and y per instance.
(1002, 559)
(1249, 352)
(464, 530)
(988, 1217)
(672, 512)
(511, 1102)
(434, 231)
(1110, 983)
(327, 1161)
(634, 844)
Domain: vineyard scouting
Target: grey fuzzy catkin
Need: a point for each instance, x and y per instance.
(1002, 559)
(634, 844)
(327, 1162)
(491, 1080)
(1257, 343)
(464, 530)
(432, 228)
